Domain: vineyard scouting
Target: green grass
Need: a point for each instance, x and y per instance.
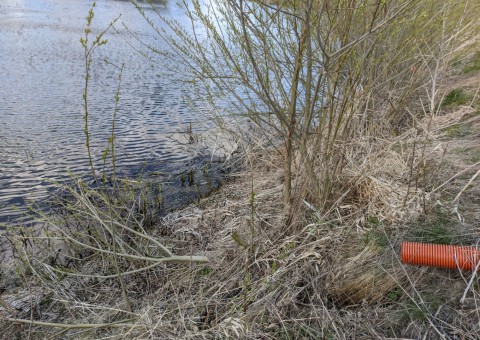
(395, 294)
(377, 233)
(205, 271)
(435, 228)
(455, 97)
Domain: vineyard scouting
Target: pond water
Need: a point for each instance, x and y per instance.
(41, 85)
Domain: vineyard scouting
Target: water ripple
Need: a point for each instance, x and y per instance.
(41, 86)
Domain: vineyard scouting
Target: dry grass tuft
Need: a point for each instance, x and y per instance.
(361, 278)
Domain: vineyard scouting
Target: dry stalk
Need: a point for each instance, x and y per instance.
(122, 323)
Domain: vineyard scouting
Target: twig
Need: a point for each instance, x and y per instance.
(470, 283)
(157, 263)
(457, 198)
(74, 326)
(455, 176)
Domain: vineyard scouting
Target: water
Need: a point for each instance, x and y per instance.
(41, 86)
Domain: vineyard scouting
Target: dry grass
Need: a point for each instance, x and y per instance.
(337, 277)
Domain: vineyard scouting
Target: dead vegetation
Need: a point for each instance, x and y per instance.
(338, 276)
(229, 266)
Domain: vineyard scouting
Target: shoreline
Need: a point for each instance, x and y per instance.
(219, 227)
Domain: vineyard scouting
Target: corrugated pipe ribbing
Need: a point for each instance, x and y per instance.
(440, 255)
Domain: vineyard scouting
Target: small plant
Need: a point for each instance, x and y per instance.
(395, 294)
(455, 97)
(205, 271)
(88, 48)
(374, 221)
(274, 266)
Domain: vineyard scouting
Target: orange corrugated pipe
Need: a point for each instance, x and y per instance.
(440, 255)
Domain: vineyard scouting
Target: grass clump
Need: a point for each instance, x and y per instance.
(455, 97)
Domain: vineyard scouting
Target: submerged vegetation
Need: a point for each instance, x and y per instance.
(342, 110)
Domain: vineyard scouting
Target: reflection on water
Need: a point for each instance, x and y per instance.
(41, 84)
